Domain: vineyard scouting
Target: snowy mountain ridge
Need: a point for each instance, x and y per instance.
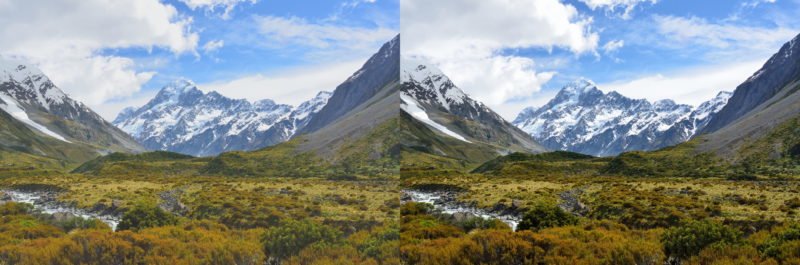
(581, 118)
(183, 119)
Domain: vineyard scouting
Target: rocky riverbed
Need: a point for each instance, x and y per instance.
(446, 201)
(45, 201)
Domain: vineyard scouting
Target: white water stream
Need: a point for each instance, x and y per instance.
(39, 203)
(436, 199)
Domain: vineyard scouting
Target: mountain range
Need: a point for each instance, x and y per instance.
(183, 119)
(357, 131)
(388, 107)
(583, 119)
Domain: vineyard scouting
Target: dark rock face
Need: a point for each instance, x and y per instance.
(183, 119)
(583, 119)
(780, 70)
(381, 69)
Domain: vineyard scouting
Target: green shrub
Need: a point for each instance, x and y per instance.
(690, 238)
(145, 216)
(15, 208)
(543, 216)
(289, 238)
(783, 244)
(482, 223)
(415, 208)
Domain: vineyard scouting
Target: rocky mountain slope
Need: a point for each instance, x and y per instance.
(364, 102)
(445, 121)
(759, 123)
(181, 118)
(583, 119)
(778, 72)
(47, 122)
(380, 69)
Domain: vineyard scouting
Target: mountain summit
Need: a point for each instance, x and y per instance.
(181, 118)
(581, 118)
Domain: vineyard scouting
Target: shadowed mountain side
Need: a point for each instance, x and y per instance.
(381, 69)
(728, 141)
(361, 120)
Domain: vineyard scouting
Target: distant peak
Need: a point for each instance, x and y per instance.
(17, 70)
(579, 86)
(265, 102)
(179, 86)
(665, 102)
(724, 94)
(418, 70)
(324, 94)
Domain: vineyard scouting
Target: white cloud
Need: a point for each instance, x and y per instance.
(356, 3)
(213, 45)
(690, 86)
(621, 8)
(96, 79)
(612, 46)
(756, 3)
(725, 40)
(211, 6)
(301, 32)
(110, 109)
(289, 86)
(65, 39)
(467, 38)
(500, 78)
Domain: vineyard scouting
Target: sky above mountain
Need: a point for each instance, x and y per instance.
(115, 54)
(514, 54)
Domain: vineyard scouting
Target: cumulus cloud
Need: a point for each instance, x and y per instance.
(468, 45)
(621, 8)
(66, 39)
(213, 6)
(689, 86)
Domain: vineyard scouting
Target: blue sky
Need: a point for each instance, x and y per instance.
(510, 54)
(279, 49)
(678, 49)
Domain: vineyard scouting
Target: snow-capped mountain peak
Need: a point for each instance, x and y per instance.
(438, 87)
(34, 86)
(182, 118)
(179, 86)
(579, 86)
(28, 95)
(584, 119)
(430, 97)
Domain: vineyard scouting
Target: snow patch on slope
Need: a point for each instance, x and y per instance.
(11, 106)
(413, 108)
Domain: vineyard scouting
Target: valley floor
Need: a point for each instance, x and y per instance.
(596, 219)
(200, 220)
